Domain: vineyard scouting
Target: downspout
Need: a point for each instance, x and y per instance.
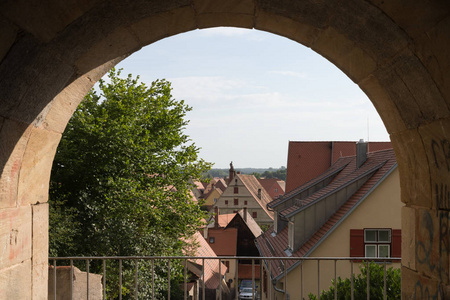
(274, 283)
(274, 280)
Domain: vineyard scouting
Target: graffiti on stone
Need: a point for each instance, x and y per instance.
(441, 153)
(442, 193)
(424, 245)
(423, 292)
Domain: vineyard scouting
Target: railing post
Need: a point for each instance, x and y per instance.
(71, 279)
(153, 279)
(384, 279)
(351, 276)
(335, 280)
(301, 279)
(87, 279)
(135, 279)
(253, 279)
(285, 282)
(120, 279)
(236, 278)
(185, 278)
(54, 277)
(203, 277)
(220, 279)
(318, 279)
(168, 279)
(104, 279)
(270, 289)
(368, 281)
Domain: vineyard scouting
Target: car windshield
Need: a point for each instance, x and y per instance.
(246, 290)
(246, 283)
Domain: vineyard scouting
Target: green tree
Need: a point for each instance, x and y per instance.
(120, 177)
(376, 288)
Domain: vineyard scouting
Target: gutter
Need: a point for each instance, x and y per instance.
(340, 221)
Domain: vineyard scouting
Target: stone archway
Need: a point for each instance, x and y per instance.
(51, 54)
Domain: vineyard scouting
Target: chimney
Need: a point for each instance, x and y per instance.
(205, 232)
(231, 173)
(245, 214)
(259, 193)
(361, 153)
(216, 217)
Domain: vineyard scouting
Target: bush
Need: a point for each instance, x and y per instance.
(376, 277)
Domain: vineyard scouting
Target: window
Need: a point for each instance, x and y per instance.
(212, 239)
(227, 264)
(226, 202)
(245, 202)
(236, 201)
(375, 242)
(236, 190)
(254, 215)
(276, 190)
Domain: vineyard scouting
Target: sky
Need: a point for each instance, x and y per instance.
(252, 92)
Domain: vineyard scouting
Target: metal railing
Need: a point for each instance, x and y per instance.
(140, 277)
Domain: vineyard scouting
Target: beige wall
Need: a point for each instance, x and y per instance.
(214, 195)
(243, 195)
(382, 209)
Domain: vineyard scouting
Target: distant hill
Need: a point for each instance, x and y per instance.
(263, 172)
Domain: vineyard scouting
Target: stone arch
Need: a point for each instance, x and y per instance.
(51, 54)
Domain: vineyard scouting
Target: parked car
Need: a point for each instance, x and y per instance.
(245, 283)
(247, 293)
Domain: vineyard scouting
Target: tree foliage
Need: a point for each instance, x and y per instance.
(376, 287)
(120, 177)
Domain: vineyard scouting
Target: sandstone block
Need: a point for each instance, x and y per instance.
(36, 166)
(8, 34)
(343, 52)
(436, 138)
(414, 169)
(415, 286)
(305, 34)
(155, 27)
(15, 236)
(40, 250)
(78, 288)
(14, 136)
(383, 103)
(432, 244)
(409, 237)
(15, 281)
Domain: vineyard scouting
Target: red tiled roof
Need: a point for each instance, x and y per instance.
(211, 265)
(225, 219)
(306, 160)
(252, 184)
(276, 245)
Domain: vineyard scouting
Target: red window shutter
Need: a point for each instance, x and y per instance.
(356, 242)
(396, 243)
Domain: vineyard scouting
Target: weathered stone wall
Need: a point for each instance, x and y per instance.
(78, 290)
(52, 52)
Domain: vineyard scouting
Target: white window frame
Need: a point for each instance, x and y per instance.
(378, 243)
